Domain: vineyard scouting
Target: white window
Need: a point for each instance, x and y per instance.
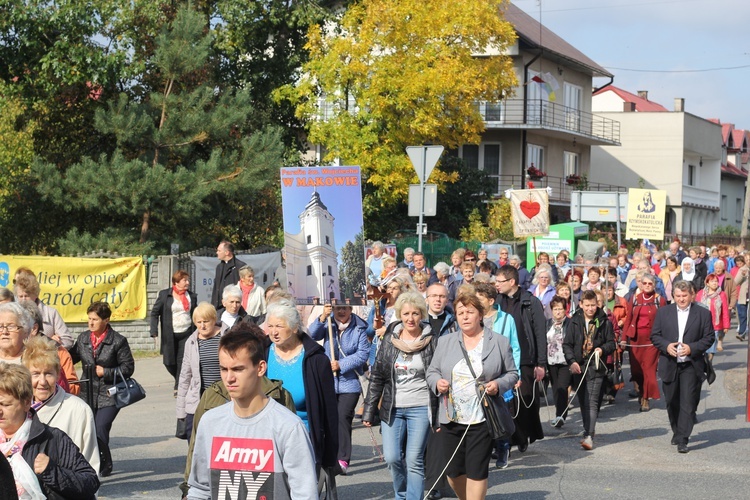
(491, 111)
(571, 161)
(535, 156)
(723, 207)
(692, 175)
(739, 210)
(572, 103)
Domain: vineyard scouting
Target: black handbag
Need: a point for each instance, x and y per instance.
(127, 390)
(496, 414)
(710, 372)
(616, 379)
(181, 431)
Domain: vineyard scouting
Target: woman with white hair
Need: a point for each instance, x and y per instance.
(302, 364)
(231, 310)
(542, 286)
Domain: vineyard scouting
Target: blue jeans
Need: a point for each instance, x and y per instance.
(404, 441)
(742, 317)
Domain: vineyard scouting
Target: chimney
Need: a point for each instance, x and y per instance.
(628, 107)
(679, 104)
(643, 94)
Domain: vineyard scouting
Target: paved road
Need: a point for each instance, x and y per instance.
(632, 457)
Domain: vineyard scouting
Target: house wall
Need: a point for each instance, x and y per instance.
(734, 189)
(651, 149)
(607, 102)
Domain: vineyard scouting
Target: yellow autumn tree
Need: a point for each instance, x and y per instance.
(16, 143)
(393, 74)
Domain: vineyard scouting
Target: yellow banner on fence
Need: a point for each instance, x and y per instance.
(71, 284)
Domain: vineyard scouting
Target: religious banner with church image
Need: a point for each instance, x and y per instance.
(530, 212)
(323, 234)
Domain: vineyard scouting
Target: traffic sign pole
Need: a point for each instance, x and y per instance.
(423, 158)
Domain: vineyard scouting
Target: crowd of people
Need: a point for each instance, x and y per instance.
(446, 352)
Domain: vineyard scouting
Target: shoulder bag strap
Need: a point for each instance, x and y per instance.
(468, 361)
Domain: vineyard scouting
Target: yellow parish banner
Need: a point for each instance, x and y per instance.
(646, 211)
(530, 210)
(71, 284)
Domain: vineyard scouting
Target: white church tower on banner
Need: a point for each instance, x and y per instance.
(312, 261)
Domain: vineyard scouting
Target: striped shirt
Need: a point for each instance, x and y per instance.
(208, 353)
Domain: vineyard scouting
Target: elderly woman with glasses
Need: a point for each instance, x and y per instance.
(15, 328)
(27, 288)
(543, 288)
(644, 357)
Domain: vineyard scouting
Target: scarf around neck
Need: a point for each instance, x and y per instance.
(182, 295)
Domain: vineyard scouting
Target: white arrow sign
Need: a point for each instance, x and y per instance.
(424, 159)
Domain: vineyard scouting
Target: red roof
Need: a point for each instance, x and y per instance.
(641, 104)
(726, 129)
(730, 169)
(738, 136)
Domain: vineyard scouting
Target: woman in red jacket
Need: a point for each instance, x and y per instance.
(644, 357)
(715, 300)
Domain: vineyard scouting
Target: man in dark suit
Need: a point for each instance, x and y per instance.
(227, 272)
(683, 332)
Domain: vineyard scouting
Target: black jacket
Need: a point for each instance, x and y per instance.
(528, 313)
(227, 273)
(320, 402)
(113, 352)
(7, 484)
(699, 335)
(383, 375)
(68, 473)
(161, 314)
(604, 338)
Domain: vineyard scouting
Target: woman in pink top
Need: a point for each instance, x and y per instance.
(715, 300)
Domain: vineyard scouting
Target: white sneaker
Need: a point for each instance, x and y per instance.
(557, 422)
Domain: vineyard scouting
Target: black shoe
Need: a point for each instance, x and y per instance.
(682, 448)
(435, 495)
(522, 447)
(674, 442)
(633, 394)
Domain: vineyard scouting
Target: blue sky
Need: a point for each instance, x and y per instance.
(664, 39)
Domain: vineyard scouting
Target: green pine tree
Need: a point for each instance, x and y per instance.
(182, 155)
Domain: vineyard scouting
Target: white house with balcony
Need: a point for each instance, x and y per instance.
(673, 151)
(548, 123)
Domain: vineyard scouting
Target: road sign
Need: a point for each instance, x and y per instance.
(598, 206)
(430, 200)
(424, 159)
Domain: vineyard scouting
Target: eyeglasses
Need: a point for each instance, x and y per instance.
(437, 296)
(10, 328)
(469, 260)
(501, 281)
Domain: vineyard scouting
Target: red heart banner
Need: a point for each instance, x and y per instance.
(530, 208)
(530, 212)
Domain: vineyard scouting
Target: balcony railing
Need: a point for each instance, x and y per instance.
(560, 188)
(551, 115)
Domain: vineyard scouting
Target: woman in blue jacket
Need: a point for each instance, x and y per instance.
(348, 356)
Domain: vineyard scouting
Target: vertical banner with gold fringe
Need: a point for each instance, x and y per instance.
(530, 209)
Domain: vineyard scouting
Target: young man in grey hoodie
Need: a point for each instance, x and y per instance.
(251, 447)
